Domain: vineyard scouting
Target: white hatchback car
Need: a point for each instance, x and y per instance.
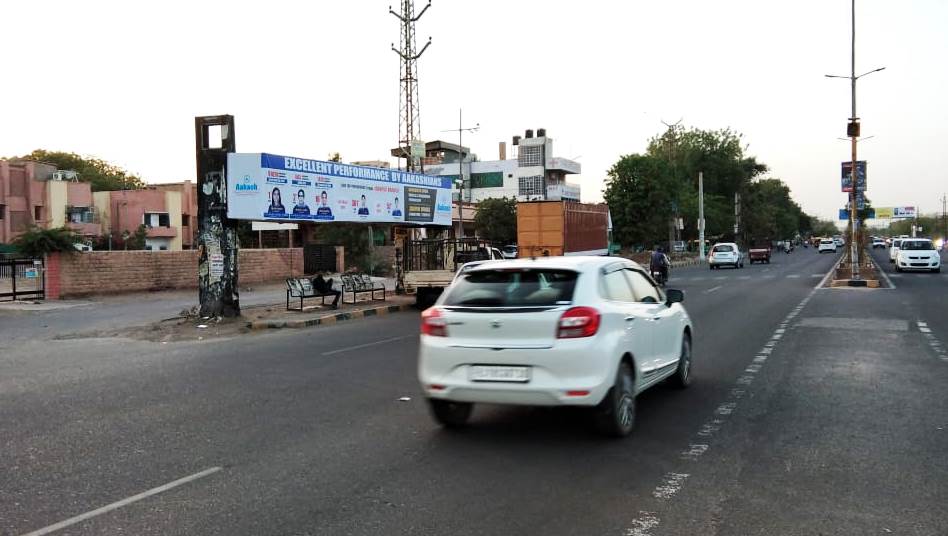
(917, 254)
(826, 244)
(554, 331)
(725, 254)
(894, 249)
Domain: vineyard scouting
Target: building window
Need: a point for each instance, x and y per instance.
(531, 186)
(80, 215)
(3, 211)
(37, 214)
(184, 220)
(157, 219)
(530, 156)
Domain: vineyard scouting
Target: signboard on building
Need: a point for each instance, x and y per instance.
(904, 212)
(870, 214)
(563, 192)
(268, 187)
(847, 179)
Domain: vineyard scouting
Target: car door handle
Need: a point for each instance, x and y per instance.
(656, 318)
(629, 318)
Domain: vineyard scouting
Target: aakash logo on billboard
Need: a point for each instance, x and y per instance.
(246, 186)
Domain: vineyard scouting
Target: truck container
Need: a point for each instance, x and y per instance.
(553, 228)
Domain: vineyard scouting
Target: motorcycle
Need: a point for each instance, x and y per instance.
(660, 276)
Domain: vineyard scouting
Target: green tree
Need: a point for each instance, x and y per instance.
(496, 220)
(136, 240)
(38, 242)
(100, 174)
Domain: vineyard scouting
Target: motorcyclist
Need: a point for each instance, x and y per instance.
(659, 264)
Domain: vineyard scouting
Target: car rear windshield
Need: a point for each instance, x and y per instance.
(917, 245)
(826, 242)
(722, 249)
(513, 288)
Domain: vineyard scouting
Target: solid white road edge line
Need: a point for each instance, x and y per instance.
(124, 502)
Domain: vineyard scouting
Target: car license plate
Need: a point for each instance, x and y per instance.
(493, 373)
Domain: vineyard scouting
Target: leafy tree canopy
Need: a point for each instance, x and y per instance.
(38, 242)
(100, 174)
(496, 220)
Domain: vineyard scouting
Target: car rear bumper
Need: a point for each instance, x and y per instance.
(572, 373)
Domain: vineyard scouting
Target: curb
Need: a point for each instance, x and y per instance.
(328, 319)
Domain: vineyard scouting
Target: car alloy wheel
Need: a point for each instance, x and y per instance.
(682, 376)
(615, 415)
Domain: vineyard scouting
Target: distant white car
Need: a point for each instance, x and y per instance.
(917, 254)
(838, 240)
(826, 244)
(725, 254)
(556, 331)
(894, 249)
(510, 252)
(82, 247)
(878, 243)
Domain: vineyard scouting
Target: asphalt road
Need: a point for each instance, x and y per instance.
(813, 411)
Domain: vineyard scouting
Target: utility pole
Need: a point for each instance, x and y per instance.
(701, 215)
(852, 131)
(944, 220)
(409, 123)
(217, 234)
(460, 130)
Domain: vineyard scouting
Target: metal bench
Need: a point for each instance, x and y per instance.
(356, 284)
(302, 288)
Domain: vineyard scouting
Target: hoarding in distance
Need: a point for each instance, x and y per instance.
(268, 187)
(870, 214)
(895, 212)
(846, 176)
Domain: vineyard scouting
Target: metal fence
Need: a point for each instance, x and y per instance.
(443, 254)
(21, 279)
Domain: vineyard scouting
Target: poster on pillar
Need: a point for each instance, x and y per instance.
(268, 187)
(847, 178)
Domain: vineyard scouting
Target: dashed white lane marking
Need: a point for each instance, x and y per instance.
(672, 482)
(670, 486)
(124, 502)
(643, 525)
(793, 276)
(744, 277)
(933, 341)
(712, 289)
(817, 275)
(694, 451)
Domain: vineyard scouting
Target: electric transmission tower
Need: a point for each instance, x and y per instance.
(409, 126)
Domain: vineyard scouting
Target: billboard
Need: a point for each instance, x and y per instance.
(895, 212)
(269, 187)
(846, 176)
(869, 213)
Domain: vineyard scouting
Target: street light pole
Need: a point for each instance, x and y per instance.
(854, 135)
(460, 130)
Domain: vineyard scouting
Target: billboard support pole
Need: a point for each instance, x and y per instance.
(217, 234)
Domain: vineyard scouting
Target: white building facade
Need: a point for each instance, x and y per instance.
(533, 174)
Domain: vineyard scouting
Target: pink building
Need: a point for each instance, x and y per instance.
(36, 193)
(169, 211)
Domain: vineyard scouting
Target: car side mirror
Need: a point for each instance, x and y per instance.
(673, 295)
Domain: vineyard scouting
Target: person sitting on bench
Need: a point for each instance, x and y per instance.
(323, 286)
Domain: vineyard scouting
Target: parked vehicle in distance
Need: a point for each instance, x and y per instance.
(82, 247)
(581, 331)
(894, 249)
(725, 254)
(760, 252)
(429, 266)
(509, 251)
(553, 228)
(917, 254)
(878, 243)
(826, 244)
(839, 241)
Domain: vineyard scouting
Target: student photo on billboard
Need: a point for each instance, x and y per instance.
(324, 211)
(363, 209)
(396, 212)
(301, 209)
(276, 207)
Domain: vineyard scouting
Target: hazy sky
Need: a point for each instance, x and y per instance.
(124, 80)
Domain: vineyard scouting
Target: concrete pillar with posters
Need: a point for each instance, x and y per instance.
(217, 234)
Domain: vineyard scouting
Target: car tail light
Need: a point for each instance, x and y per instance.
(433, 323)
(578, 322)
